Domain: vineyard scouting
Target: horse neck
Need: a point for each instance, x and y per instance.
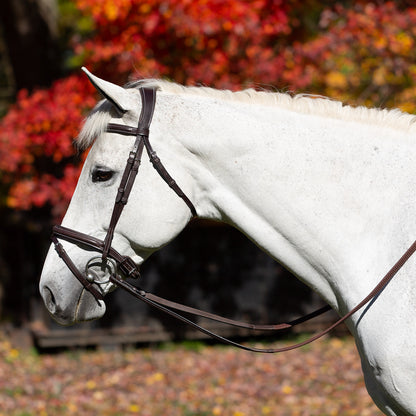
(313, 192)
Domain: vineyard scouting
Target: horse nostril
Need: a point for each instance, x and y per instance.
(49, 299)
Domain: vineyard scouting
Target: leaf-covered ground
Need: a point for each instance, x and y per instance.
(185, 380)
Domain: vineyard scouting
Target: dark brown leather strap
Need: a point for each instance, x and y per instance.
(126, 184)
(157, 164)
(71, 266)
(232, 322)
(155, 302)
(125, 264)
(148, 96)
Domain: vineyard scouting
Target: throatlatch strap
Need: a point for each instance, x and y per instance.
(157, 164)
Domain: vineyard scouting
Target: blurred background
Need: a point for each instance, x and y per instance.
(360, 52)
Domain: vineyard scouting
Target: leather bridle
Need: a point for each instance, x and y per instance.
(113, 263)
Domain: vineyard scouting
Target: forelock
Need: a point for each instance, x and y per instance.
(96, 123)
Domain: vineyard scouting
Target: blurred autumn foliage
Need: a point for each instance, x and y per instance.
(360, 52)
(37, 135)
(357, 51)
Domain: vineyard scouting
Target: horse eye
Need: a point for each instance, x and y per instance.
(102, 175)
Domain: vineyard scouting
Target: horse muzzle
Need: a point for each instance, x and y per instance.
(82, 305)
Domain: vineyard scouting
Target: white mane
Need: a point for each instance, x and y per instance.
(96, 123)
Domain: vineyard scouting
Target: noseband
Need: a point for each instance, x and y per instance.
(111, 263)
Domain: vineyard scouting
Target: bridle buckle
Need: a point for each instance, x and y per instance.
(128, 267)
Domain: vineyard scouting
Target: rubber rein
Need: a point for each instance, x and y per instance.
(114, 263)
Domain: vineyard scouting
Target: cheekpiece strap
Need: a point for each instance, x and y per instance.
(148, 96)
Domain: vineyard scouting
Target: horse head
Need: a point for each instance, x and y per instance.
(153, 216)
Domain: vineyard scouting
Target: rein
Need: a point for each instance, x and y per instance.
(116, 263)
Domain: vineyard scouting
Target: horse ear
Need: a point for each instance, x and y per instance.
(115, 94)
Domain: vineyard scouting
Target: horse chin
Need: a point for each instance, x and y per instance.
(89, 308)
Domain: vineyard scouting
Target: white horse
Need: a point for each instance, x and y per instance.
(326, 189)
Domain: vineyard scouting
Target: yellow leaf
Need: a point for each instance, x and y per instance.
(154, 378)
(91, 384)
(287, 389)
(336, 80)
(266, 410)
(110, 9)
(217, 411)
(13, 353)
(380, 42)
(405, 42)
(134, 408)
